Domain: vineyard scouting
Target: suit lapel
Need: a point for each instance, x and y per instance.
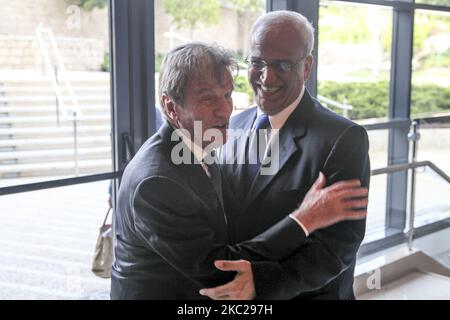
(194, 174)
(236, 149)
(293, 130)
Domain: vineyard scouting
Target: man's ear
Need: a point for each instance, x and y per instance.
(169, 108)
(308, 67)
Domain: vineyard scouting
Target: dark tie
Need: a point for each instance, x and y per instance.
(257, 146)
(214, 174)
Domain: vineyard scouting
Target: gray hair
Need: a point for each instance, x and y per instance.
(192, 60)
(281, 17)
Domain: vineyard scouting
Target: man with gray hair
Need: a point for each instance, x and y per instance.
(312, 139)
(170, 222)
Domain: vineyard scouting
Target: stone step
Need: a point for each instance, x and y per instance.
(52, 119)
(52, 143)
(38, 132)
(51, 99)
(49, 90)
(39, 262)
(48, 155)
(20, 78)
(105, 108)
(40, 169)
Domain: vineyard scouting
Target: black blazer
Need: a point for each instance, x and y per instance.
(313, 139)
(170, 226)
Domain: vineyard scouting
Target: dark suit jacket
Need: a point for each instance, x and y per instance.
(313, 139)
(170, 226)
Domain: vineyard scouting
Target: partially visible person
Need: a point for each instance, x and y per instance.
(170, 223)
(312, 139)
(158, 123)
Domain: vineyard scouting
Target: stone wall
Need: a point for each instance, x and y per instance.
(77, 54)
(82, 42)
(21, 17)
(231, 31)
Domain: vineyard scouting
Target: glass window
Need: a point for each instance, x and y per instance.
(354, 59)
(47, 241)
(430, 94)
(376, 217)
(436, 2)
(226, 23)
(432, 201)
(431, 198)
(54, 90)
(354, 62)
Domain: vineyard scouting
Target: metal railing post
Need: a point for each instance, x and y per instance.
(58, 70)
(75, 142)
(414, 137)
(47, 64)
(55, 69)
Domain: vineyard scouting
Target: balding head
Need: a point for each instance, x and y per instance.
(278, 22)
(280, 59)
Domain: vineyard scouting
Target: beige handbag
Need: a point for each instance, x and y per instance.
(103, 256)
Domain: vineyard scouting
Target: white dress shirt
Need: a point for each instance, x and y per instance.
(277, 121)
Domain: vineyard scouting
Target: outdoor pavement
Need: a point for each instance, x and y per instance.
(47, 240)
(47, 237)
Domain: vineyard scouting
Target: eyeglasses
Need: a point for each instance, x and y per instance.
(278, 66)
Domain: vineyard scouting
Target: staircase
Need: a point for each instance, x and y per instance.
(33, 143)
(421, 273)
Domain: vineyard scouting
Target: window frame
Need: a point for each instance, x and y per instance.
(132, 49)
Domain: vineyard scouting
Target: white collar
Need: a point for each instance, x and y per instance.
(278, 120)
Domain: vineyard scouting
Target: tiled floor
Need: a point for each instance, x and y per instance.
(420, 274)
(47, 240)
(414, 286)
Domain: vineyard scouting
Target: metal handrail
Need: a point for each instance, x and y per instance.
(407, 166)
(40, 31)
(410, 165)
(391, 124)
(174, 35)
(414, 137)
(56, 89)
(344, 106)
(75, 113)
(432, 122)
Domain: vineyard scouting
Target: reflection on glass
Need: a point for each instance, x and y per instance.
(48, 239)
(377, 195)
(226, 23)
(376, 215)
(432, 201)
(354, 58)
(436, 2)
(54, 90)
(430, 95)
(378, 141)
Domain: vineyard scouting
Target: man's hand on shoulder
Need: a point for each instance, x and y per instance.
(324, 206)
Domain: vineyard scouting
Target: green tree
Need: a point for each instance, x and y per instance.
(243, 6)
(371, 99)
(426, 26)
(189, 13)
(91, 4)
